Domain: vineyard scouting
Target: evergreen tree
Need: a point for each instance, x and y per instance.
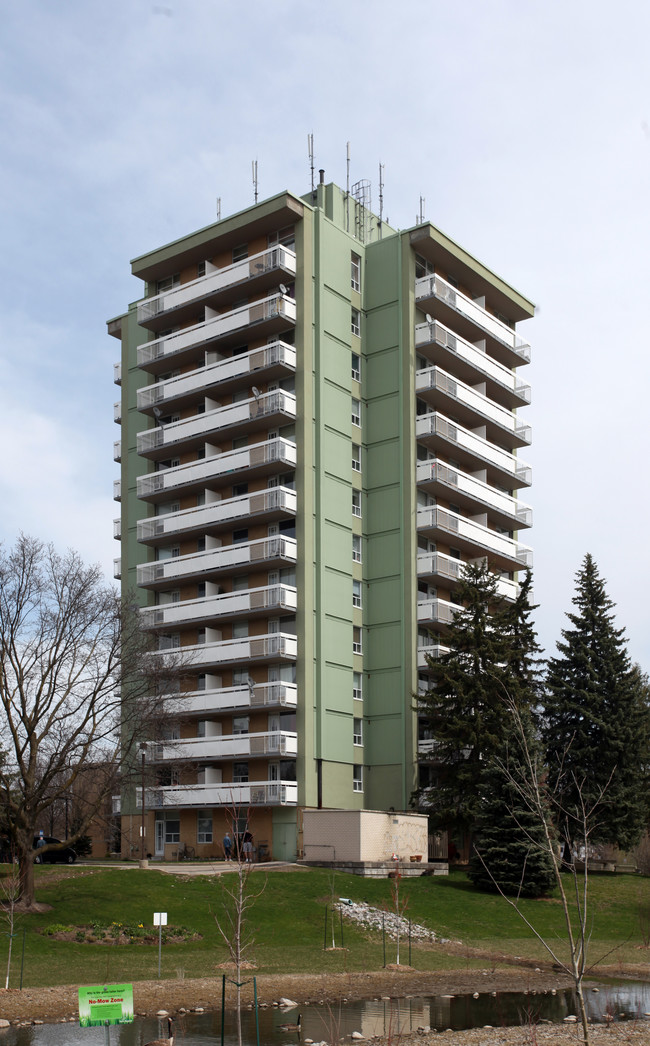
(597, 718)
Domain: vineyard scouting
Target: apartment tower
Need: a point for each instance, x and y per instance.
(319, 427)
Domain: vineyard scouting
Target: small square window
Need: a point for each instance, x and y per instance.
(357, 647)
(357, 778)
(172, 831)
(356, 412)
(240, 724)
(356, 594)
(356, 548)
(357, 686)
(356, 457)
(355, 272)
(355, 322)
(240, 773)
(239, 253)
(357, 731)
(356, 367)
(356, 503)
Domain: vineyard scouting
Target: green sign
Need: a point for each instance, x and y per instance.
(106, 1004)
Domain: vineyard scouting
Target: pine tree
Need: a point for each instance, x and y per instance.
(597, 718)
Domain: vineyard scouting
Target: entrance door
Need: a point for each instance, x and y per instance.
(160, 839)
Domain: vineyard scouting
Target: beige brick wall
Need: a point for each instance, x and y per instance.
(363, 835)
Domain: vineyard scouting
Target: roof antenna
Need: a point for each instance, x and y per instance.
(218, 208)
(347, 190)
(381, 197)
(254, 165)
(423, 203)
(310, 152)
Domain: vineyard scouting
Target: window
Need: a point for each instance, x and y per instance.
(200, 269)
(357, 778)
(356, 367)
(357, 731)
(171, 642)
(173, 831)
(240, 583)
(239, 629)
(203, 826)
(356, 412)
(239, 253)
(356, 457)
(238, 536)
(357, 686)
(355, 272)
(356, 548)
(356, 503)
(355, 322)
(240, 773)
(356, 641)
(356, 594)
(168, 283)
(200, 728)
(285, 236)
(240, 724)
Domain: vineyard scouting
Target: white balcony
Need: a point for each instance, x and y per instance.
(473, 451)
(471, 363)
(266, 316)
(204, 703)
(117, 450)
(219, 562)
(473, 493)
(274, 361)
(117, 373)
(262, 506)
(117, 490)
(246, 416)
(250, 602)
(438, 611)
(117, 412)
(235, 746)
(117, 568)
(475, 538)
(438, 567)
(212, 286)
(471, 407)
(264, 458)
(435, 288)
(256, 649)
(252, 793)
(117, 529)
(432, 649)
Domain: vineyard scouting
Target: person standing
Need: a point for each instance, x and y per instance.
(227, 847)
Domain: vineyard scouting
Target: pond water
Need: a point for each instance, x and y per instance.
(622, 1000)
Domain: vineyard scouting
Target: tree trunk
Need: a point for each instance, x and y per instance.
(26, 875)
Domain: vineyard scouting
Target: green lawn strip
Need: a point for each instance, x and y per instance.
(288, 923)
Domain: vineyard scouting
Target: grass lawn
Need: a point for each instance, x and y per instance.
(288, 923)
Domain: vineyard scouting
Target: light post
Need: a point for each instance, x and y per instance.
(143, 752)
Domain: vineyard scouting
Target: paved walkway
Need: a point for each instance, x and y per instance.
(188, 867)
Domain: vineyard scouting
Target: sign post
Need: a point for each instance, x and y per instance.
(105, 1004)
(159, 920)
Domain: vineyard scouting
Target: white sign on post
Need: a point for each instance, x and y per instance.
(160, 918)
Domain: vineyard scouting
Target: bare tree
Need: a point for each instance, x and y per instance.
(10, 892)
(560, 828)
(74, 680)
(238, 898)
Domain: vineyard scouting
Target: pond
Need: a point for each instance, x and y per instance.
(389, 1017)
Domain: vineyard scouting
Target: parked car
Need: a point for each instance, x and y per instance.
(65, 854)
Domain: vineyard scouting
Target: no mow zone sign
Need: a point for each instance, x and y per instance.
(105, 1004)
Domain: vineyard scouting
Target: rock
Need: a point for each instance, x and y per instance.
(3, 1023)
(288, 1004)
(197, 1009)
(476, 995)
(571, 1019)
(357, 1035)
(595, 989)
(162, 1013)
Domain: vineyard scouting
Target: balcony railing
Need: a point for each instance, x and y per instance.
(117, 412)
(470, 533)
(430, 650)
(117, 373)
(433, 379)
(437, 565)
(117, 490)
(218, 280)
(251, 793)
(219, 376)
(234, 746)
(117, 568)
(276, 307)
(203, 703)
(244, 416)
(275, 645)
(440, 611)
(248, 602)
(207, 472)
(431, 473)
(117, 450)
(516, 473)
(218, 561)
(471, 358)
(278, 502)
(436, 287)
(117, 529)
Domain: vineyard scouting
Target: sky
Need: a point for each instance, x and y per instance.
(524, 125)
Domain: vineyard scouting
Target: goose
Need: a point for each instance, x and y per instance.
(169, 1041)
(292, 1027)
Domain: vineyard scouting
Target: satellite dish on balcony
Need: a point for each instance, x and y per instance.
(429, 319)
(256, 392)
(283, 289)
